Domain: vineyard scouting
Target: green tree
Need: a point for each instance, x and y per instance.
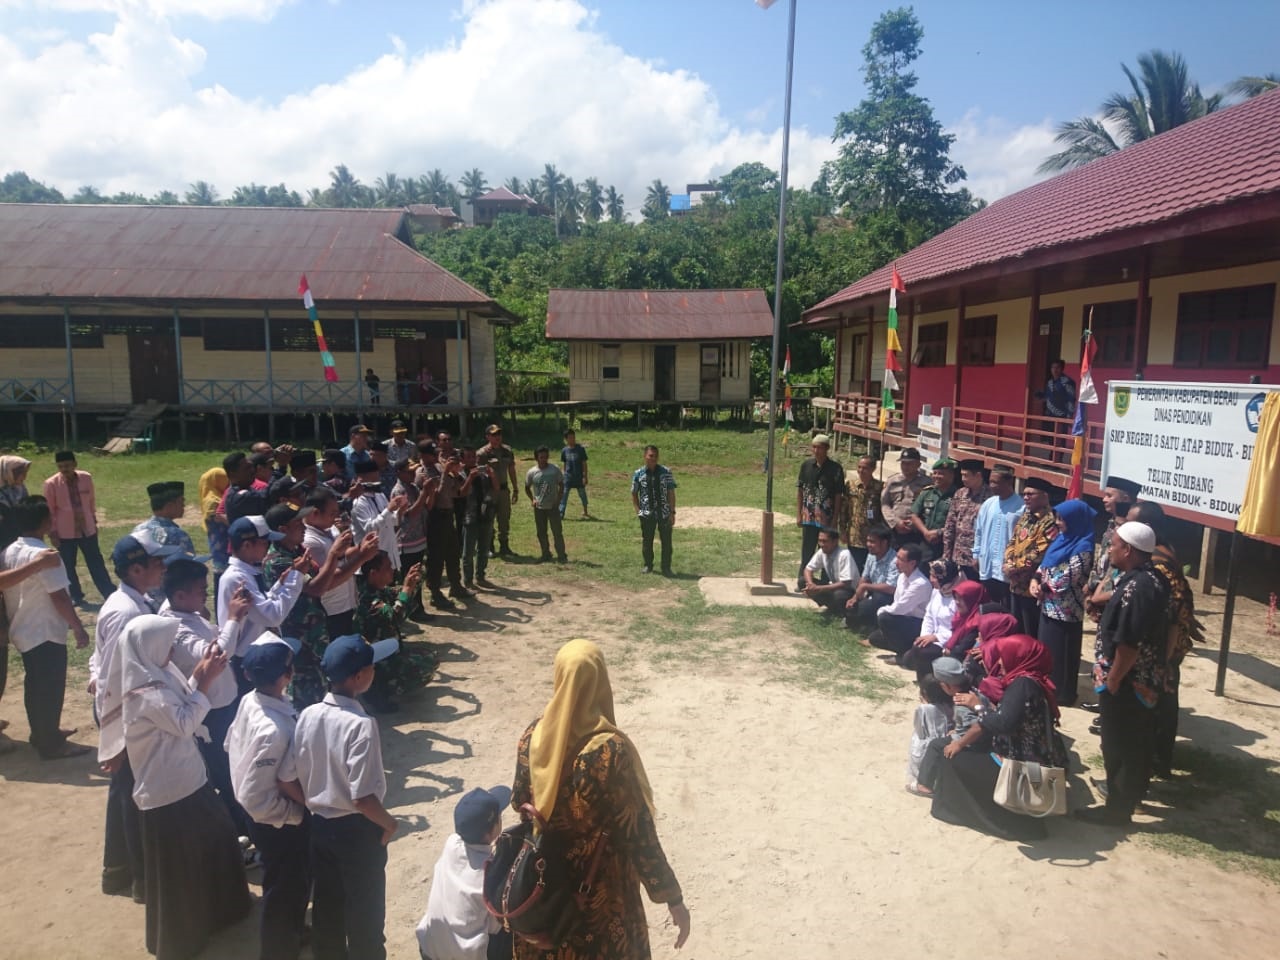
(89, 194)
(894, 154)
(613, 205)
(592, 200)
(551, 187)
(748, 180)
(657, 202)
(282, 196)
(473, 184)
(17, 187)
(388, 191)
(1162, 96)
(436, 188)
(1246, 88)
(344, 189)
(165, 198)
(514, 185)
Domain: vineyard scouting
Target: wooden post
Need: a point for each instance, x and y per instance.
(871, 340)
(1228, 613)
(1033, 331)
(71, 371)
(182, 392)
(266, 341)
(1142, 319)
(355, 319)
(1209, 559)
(463, 398)
(835, 380)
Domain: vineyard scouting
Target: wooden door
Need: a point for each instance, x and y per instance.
(153, 368)
(412, 358)
(711, 355)
(1046, 347)
(859, 380)
(664, 373)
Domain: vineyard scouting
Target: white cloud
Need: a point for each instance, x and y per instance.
(529, 82)
(998, 157)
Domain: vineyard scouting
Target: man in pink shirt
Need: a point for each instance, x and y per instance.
(69, 493)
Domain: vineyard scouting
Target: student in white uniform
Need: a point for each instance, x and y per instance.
(339, 763)
(371, 512)
(194, 871)
(248, 539)
(186, 588)
(260, 748)
(456, 925)
(40, 613)
(139, 566)
(339, 601)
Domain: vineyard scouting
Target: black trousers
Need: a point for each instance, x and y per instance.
(896, 633)
(1063, 639)
(349, 871)
(342, 624)
(1167, 722)
(864, 614)
(808, 547)
(835, 600)
(443, 551)
(1027, 612)
(648, 526)
(1128, 743)
(920, 659)
(477, 538)
(218, 763)
(998, 591)
(43, 690)
(286, 888)
(88, 547)
(122, 841)
(541, 520)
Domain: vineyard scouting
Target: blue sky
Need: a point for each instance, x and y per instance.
(143, 94)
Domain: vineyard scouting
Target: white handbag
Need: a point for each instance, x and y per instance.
(1031, 789)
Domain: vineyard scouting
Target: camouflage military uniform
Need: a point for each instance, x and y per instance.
(379, 615)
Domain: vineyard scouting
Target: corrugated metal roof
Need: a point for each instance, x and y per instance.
(1221, 159)
(257, 254)
(657, 314)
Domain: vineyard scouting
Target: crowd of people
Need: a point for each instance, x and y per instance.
(235, 690)
(983, 592)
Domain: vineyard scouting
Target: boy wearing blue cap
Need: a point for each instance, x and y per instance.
(456, 925)
(339, 764)
(264, 776)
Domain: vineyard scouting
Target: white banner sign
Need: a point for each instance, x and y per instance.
(935, 435)
(1188, 444)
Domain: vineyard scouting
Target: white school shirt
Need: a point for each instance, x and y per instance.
(260, 747)
(911, 596)
(342, 597)
(839, 565)
(266, 610)
(339, 756)
(121, 605)
(456, 925)
(167, 765)
(33, 619)
(195, 634)
(937, 617)
(372, 513)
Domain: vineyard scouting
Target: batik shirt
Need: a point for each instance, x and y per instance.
(958, 529)
(820, 487)
(1182, 607)
(1137, 615)
(651, 488)
(860, 509)
(307, 623)
(878, 570)
(168, 534)
(1063, 596)
(1027, 547)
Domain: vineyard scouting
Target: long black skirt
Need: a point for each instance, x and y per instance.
(195, 874)
(962, 793)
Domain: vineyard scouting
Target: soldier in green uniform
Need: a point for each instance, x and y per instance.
(502, 461)
(929, 512)
(380, 614)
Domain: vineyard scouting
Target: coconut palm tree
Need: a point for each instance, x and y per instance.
(388, 191)
(344, 189)
(657, 202)
(202, 194)
(435, 187)
(89, 194)
(165, 198)
(473, 184)
(1246, 88)
(552, 186)
(1162, 97)
(613, 205)
(514, 185)
(592, 200)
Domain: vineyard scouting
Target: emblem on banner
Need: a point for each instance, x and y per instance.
(1253, 411)
(1121, 400)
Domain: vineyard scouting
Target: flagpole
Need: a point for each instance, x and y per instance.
(766, 532)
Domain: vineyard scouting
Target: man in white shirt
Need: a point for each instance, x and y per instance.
(456, 925)
(248, 539)
(339, 601)
(993, 530)
(40, 614)
(372, 512)
(830, 574)
(138, 560)
(898, 624)
(265, 778)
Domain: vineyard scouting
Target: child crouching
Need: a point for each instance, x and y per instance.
(932, 720)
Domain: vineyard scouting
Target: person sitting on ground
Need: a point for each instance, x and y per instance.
(879, 580)
(898, 623)
(950, 673)
(456, 925)
(932, 720)
(380, 614)
(935, 628)
(1021, 727)
(970, 597)
(830, 574)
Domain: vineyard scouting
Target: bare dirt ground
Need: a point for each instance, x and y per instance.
(782, 811)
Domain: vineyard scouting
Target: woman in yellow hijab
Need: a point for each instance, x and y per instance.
(586, 780)
(213, 484)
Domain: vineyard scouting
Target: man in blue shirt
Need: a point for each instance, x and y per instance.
(574, 458)
(357, 449)
(879, 580)
(1059, 394)
(653, 494)
(993, 530)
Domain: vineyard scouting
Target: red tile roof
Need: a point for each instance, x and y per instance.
(1218, 160)
(657, 314)
(225, 254)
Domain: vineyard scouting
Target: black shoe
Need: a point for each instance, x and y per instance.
(562, 559)
(646, 569)
(117, 881)
(506, 553)
(461, 593)
(666, 572)
(441, 602)
(545, 558)
(483, 581)
(1102, 817)
(1096, 728)
(1090, 707)
(139, 891)
(421, 616)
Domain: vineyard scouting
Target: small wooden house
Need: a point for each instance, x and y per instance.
(689, 347)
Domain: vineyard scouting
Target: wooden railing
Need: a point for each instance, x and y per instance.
(315, 394)
(36, 390)
(1036, 443)
(860, 415)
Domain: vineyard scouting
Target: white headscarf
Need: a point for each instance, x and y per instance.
(145, 650)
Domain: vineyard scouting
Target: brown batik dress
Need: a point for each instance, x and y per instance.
(602, 792)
